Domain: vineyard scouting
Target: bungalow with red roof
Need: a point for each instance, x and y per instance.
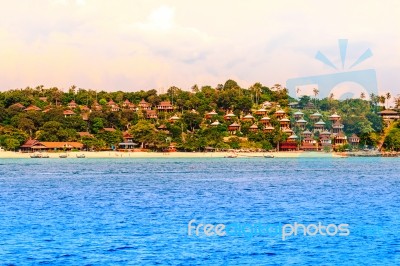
(32, 108)
(165, 106)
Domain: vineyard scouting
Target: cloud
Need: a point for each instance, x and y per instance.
(148, 44)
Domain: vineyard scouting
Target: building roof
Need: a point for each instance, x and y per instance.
(175, 117)
(29, 143)
(335, 115)
(230, 115)
(316, 114)
(51, 145)
(284, 120)
(298, 113)
(85, 134)
(320, 122)
(301, 121)
(254, 126)
(337, 124)
(212, 112)
(280, 111)
(265, 118)
(388, 112)
(126, 134)
(234, 124)
(248, 116)
(151, 112)
(215, 123)
(32, 108)
(165, 104)
(109, 129)
(68, 112)
(17, 105)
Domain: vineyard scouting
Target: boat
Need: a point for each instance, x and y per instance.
(80, 156)
(233, 155)
(39, 155)
(63, 156)
(269, 156)
(36, 155)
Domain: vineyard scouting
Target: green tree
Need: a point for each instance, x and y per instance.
(143, 132)
(11, 144)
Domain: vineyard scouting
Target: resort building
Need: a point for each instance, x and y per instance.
(40, 146)
(298, 115)
(72, 104)
(84, 134)
(261, 111)
(354, 140)
(151, 114)
(301, 123)
(325, 133)
(211, 114)
(287, 131)
(306, 134)
(326, 143)
(96, 106)
(162, 128)
(284, 123)
(128, 143)
(389, 115)
(32, 108)
(113, 106)
(280, 114)
(248, 117)
(337, 127)
(165, 106)
(17, 106)
(229, 116)
(288, 146)
(293, 138)
(215, 123)
(253, 128)
(319, 126)
(173, 119)
(144, 105)
(339, 140)
(315, 116)
(334, 118)
(268, 129)
(68, 113)
(233, 128)
(309, 144)
(85, 109)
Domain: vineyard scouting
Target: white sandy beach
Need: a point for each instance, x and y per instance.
(113, 154)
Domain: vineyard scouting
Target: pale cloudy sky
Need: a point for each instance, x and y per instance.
(152, 44)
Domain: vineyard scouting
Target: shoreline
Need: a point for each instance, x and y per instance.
(138, 155)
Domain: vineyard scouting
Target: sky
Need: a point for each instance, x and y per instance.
(133, 44)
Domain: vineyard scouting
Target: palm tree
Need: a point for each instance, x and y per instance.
(315, 91)
(362, 95)
(382, 99)
(397, 101)
(388, 96)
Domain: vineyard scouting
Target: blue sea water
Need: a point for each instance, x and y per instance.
(136, 211)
